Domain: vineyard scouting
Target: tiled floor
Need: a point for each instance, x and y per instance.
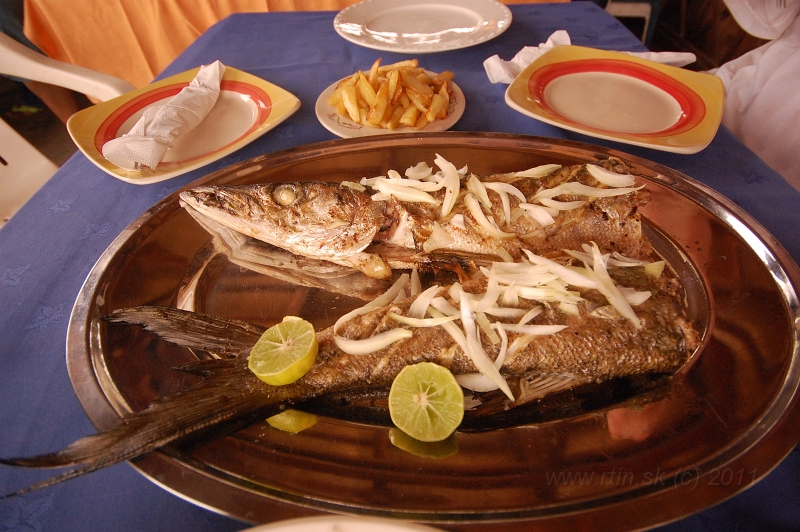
(34, 121)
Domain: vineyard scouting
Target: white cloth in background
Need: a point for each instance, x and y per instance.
(500, 71)
(762, 87)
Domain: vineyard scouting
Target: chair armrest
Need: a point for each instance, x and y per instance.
(18, 60)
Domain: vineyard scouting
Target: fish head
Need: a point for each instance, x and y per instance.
(314, 219)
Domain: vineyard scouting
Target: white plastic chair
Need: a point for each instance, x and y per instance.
(23, 168)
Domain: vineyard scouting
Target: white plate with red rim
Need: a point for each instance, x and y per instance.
(422, 26)
(247, 108)
(619, 97)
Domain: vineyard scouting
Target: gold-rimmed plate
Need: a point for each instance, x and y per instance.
(247, 108)
(615, 96)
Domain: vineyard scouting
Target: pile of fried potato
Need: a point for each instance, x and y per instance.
(389, 96)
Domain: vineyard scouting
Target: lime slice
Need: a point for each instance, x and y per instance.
(285, 352)
(293, 421)
(424, 449)
(426, 402)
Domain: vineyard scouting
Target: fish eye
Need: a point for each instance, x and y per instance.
(284, 195)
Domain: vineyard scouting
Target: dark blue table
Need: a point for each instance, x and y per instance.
(49, 247)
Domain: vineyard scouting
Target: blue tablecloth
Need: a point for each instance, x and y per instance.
(49, 247)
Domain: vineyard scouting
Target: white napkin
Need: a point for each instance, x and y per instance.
(500, 71)
(160, 127)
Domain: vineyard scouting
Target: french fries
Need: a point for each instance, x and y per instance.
(388, 96)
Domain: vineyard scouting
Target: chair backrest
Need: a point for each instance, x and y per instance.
(18, 60)
(23, 168)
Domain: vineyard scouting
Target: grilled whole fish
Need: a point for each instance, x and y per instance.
(342, 223)
(594, 347)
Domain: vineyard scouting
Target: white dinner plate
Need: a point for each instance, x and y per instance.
(247, 108)
(619, 97)
(341, 524)
(346, 128)
(422, 26)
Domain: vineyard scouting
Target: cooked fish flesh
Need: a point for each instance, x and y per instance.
(447, 213)
(573, 338)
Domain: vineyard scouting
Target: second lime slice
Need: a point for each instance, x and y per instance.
(426, 402)
(285, 352)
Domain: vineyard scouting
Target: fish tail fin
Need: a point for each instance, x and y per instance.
(229, 394)
(223, 336)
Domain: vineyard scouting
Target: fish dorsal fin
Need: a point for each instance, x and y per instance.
(541, 385)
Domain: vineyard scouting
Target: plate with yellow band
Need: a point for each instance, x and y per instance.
(246, 109)
(615, 96)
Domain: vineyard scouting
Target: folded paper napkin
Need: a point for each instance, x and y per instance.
(500, 71)
(160, 127)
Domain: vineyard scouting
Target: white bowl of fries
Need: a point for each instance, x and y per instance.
(398, 98)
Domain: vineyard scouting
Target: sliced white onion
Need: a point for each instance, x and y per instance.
(540, 214)
(539, 171)
(510, 296)
(474, 209)
(373, 343)
(569, 275)
(505, 312)
(475, 186)
(504, 254)
(486, 327)
(380, 301)
(415, 286)
(569, 308)
(451, 182)
(506, 203)
(477, 382)
(420, 171)
(579, 189)
(489, 298)
(458, 221)
(607, 287)
(475, 351)
(421, 322)
(455, 292)
(440, 304)
(439, 239)
(562, 205)
(522, 278)
(528, 316)
(404, 192)
(621, 260)
(607, 177)
(507, 188)
(633, 296)
(655, 269)
(546, 293)
(534, 330)
(501, 357)
(355, 186)
(420, 305)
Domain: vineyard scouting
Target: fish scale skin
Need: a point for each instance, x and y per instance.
(591, 349)
(327, 221)
(310, 228)
(612, 223)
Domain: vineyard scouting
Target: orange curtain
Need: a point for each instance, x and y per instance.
(131, 39)
(136, 39)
